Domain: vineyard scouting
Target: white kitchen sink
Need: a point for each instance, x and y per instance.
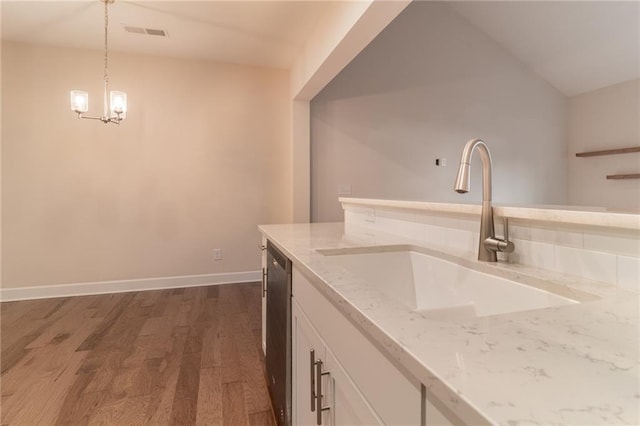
(441, 289)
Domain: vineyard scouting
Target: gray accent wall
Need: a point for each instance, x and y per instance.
(427, 84)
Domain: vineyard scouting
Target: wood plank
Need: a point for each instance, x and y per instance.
(59, 326)
(211, 343)
(185, 401)
(253, 299)
(54, 400)
(624, 176)
(163, 341)
(263, 418)
(615, 151)
(28, 311)
(78, 404)
(106, 303)
(233, 409)
(164, 382)
(45, 361)
(232, 298)
(212, 291)
(32, 323)
(33, 396)
(151, 326)
(251, 367)
(125, 411)
(229, 354)
(94, 339)
(210, 397)
(14, 353)
(161, 303)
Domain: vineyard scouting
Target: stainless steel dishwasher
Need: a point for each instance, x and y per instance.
(278, 353)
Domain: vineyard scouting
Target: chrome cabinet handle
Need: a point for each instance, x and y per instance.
(319, 406)
(319, 392)
(264, 282)
(312, 364)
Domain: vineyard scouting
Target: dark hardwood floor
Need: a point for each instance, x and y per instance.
(169, 357)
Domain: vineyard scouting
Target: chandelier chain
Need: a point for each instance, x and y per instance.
(106, 56)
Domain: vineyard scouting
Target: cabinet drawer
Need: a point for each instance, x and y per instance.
(395, 396)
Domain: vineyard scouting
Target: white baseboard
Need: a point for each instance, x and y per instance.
(103, 287)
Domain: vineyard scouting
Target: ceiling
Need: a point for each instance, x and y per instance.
(576, 46)
(264, 33)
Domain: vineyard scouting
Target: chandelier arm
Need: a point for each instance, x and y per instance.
(89, 117)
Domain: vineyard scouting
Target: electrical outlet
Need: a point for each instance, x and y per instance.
(217, 254)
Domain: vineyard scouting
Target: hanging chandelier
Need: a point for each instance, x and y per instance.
(114, 107)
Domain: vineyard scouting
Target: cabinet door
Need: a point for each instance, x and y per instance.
(347, 405)
(343, 402)
(305, 340)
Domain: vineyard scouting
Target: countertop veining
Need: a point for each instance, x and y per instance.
(574, 364)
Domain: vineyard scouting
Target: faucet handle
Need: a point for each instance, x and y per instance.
(496, 244)
(501, 245)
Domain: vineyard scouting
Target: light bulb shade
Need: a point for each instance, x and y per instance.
(118, 103)
(79, 101)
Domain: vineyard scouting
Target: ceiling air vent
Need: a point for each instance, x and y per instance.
(148, 31)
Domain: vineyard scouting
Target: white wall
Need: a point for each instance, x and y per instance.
(341, 33)
(606, 118)
(420, 90)
(202, 158)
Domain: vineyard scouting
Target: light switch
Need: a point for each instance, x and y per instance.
(344, 189)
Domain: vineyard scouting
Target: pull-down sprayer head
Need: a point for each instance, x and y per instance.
(462, 180)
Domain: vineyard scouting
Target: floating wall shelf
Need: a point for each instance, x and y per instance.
(628, 150)
(609, 152)
(627, 176)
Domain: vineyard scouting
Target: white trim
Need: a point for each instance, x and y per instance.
(122, 286)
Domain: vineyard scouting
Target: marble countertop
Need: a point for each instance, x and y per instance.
(575, 364)
(577, 215)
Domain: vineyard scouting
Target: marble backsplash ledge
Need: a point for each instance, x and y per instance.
(589, 249)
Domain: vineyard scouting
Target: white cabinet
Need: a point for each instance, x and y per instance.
(307, 349)
(263, 247)
(341, 403)
(364, 386)
(348, 406)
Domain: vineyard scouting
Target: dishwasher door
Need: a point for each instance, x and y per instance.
(278, 354)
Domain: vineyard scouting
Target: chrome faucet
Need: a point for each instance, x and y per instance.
(489, 245)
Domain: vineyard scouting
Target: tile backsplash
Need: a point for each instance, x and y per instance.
(608, 255)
